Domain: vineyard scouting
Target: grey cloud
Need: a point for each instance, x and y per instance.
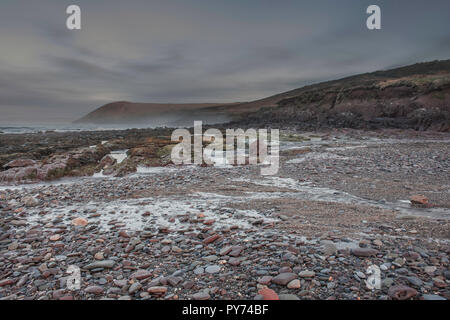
(199, 51)
(77, 67)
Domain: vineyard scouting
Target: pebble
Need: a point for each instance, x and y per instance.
(399, 262)
(329, 249)
(401, 292)
(212, 269)
(211, 239)
(79, 222)
(294, 284)
(135, 287)
(141, 274)
(202, 295)
(210, 258)
(268, 294)
(94, 290)
(377, 242)
(107, 264)
(364, 252)
(265, 280)
(430, 269)
(199, 271)
(157, 290)
(6, 282)
(55, 237)
(99, 256)
(224, 251)
(307, 274)
(284, 278)
(120, 283)
(415, 281)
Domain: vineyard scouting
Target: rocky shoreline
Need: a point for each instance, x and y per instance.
(46, 156)
(340, 203)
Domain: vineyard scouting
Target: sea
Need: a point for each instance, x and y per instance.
(35, 128)
(159, 122)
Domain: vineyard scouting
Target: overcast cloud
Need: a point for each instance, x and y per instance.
(198, 50)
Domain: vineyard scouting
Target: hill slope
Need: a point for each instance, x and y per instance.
(415, 96)
(132, 112)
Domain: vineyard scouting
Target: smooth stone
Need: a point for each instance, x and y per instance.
(210, 258)
(401, 292)
(141, 274)
(377, 242)
(415, 281)
(99, 256)
(120, 283)
(329, 249)
(157, 290)
(134, 288)
(294, 284)
(201, 296)
(284, 278)
(430, 269)
(212, 269)
(387, 283)
(306, 274)
(199, 271)
(265, 280)
(224, 251)
(399, 262)
(94, 290)
(106, 264)
(267, 294)
(364, 252)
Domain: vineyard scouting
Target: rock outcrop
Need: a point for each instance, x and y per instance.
(53, 167)
(414, 97)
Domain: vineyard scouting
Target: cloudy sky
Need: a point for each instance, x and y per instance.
(198, 50)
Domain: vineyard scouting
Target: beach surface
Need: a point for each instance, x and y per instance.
(340, 203)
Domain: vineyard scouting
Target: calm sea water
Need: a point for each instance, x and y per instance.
(33, 128)
(70, 127)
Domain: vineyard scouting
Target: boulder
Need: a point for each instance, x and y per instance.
(19, 163)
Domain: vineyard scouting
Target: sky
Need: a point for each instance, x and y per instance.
(198, 50)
